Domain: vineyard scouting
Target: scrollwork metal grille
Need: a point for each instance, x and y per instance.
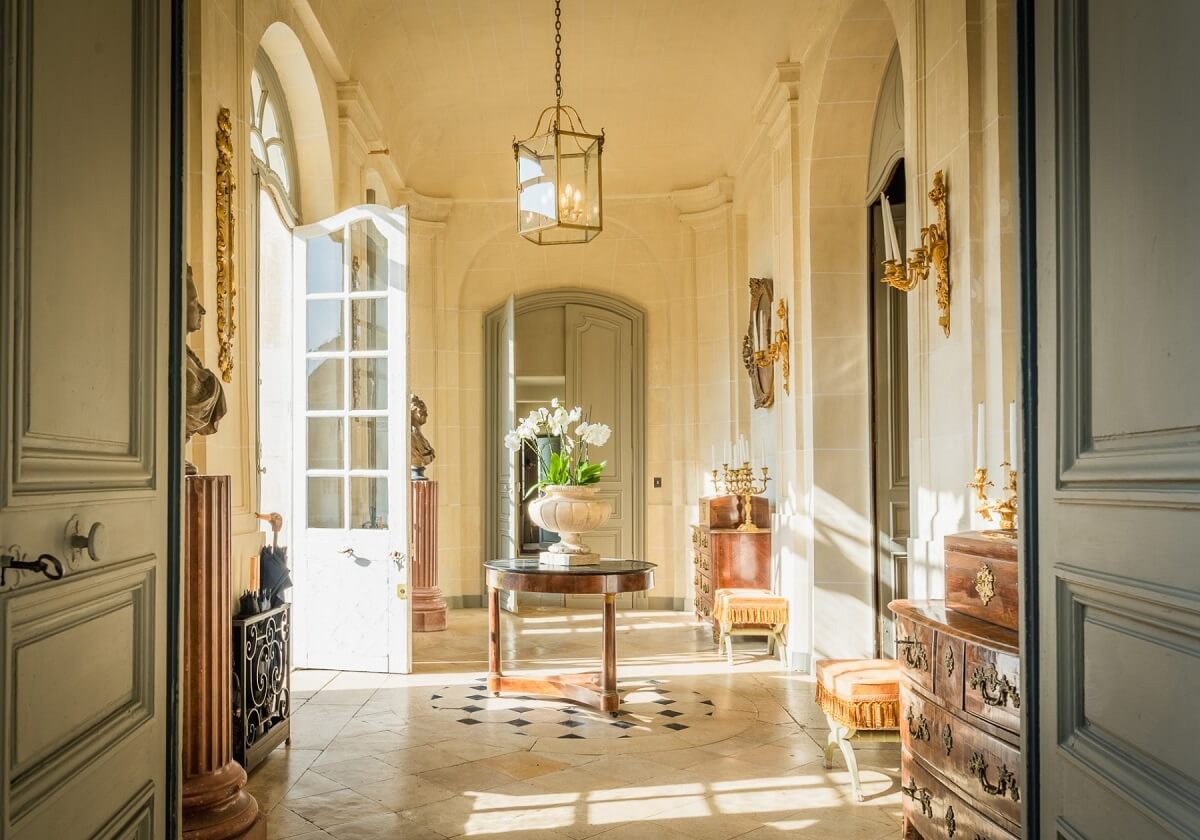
(262, 684)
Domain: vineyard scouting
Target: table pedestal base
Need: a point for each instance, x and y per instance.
(596, 689)
(582, 688)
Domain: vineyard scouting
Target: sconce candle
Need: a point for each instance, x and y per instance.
(980, 448)
(1012, 434)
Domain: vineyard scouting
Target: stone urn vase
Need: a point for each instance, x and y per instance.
(570, 511)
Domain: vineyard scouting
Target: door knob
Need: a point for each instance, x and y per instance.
(95, 542)
(348, 551)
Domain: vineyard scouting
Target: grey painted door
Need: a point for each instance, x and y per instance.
(1118, 419)
(889, 428)
(84, 291)
(506, 542)
(599, 349)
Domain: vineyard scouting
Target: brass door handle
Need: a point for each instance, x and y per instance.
(918, 659)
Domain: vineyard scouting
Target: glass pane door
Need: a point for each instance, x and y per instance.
(352, 469)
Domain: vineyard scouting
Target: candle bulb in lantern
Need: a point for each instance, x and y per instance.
(980, 447)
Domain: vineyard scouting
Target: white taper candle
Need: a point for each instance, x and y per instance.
(1012, 435)
(980, 447)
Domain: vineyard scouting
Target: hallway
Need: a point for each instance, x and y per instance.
(700, 750)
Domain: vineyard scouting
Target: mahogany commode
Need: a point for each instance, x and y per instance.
(608, 578)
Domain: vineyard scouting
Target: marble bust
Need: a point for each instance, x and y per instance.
(204, 396)
(422, 453)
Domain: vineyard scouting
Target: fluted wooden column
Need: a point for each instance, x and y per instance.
(215, 806)
(428, 605)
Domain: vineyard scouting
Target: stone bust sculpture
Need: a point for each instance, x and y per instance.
(204, 396)
(421, 450)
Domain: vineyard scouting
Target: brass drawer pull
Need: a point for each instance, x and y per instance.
(948, 660)
(951, 823)
(948, 738)
(1006, 784)
(918, 728)
(916, 655)
(993, 688)
(919, 795)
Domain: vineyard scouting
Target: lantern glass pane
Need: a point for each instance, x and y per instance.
(535, 183)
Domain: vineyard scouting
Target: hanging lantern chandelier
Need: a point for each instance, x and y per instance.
(559, 200)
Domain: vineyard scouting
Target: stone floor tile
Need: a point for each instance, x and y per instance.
(326, 810)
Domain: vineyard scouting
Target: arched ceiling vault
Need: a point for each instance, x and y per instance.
(673, 82)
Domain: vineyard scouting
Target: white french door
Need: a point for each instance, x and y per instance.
(351, 428)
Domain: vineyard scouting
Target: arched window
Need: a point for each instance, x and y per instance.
(271, 143)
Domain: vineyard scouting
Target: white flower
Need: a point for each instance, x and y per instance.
(554, 403)
(559, 421)
(513, 441)
(575, 414)
(593, 434)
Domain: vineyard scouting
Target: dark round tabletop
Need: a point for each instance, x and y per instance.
(607, 577)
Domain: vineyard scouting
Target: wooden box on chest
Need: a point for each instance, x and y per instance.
(961, 768)
(726, 558)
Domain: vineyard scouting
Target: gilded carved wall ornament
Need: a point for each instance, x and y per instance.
(226, 283)
(985, 583)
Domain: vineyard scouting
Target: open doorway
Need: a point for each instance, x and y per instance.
(332, 370)
(587, 349)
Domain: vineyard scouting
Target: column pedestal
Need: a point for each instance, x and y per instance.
(215, 806)
(428, 605)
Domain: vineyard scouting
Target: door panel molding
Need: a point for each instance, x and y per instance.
(1145, 465)
(1145, 614)
(45, 461)
(134, 820)
(77, 621)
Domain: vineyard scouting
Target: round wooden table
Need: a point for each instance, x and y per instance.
(608, 578)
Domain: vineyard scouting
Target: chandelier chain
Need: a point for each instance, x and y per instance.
(558, 53)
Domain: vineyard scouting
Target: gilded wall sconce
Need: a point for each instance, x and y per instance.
(762, 347)
(226, 284)
(934, 251)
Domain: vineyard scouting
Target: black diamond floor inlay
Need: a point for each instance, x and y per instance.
(648, 708)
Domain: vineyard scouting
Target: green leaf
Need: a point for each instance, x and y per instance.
(589, 473)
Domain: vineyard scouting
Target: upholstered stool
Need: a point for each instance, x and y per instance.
(750, 612)
(861, 699)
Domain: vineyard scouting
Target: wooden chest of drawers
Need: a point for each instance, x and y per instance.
(726, 558)
(961, 769)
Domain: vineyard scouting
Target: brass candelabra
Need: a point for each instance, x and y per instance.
(1005, 509)
(741, 482)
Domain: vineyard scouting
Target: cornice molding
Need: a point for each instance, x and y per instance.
(425, 208)
(783, 85)
(355, 109)
(700, 200)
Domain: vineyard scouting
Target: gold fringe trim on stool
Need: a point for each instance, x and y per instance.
(865, 713)
(752, 615)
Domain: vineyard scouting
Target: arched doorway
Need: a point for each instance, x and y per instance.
(586, 348)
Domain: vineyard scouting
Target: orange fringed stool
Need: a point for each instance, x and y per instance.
(860, 698)
(750, 612)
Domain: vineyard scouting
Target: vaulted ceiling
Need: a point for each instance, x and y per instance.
(672, 82)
